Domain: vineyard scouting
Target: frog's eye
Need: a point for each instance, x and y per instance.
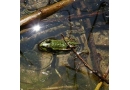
(48, 41)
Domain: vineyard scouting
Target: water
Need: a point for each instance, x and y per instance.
(64, 71)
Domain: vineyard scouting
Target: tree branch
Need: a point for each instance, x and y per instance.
(93, 71)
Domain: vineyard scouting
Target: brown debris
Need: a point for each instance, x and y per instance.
(44, 12)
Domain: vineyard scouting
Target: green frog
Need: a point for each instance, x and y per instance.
(52, 44)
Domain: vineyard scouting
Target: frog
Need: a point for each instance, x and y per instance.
(56, 45)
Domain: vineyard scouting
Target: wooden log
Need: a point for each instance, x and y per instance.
(44, 12)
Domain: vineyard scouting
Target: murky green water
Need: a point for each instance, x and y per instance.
(64, 71)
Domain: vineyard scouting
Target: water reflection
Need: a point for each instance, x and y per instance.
(65, 71)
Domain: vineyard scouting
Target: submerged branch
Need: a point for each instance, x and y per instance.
(86, 64)
(44, 12)
(100, 83)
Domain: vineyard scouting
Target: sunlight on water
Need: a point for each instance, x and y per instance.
(47, 62)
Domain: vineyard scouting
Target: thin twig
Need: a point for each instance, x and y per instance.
(100, 83)
(94, 72)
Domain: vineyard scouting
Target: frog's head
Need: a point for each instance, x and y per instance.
(43, 46)
(45, 43)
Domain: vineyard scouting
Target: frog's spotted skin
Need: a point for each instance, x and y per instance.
(56, 45)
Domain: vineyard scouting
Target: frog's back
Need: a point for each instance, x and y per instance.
(58, 45)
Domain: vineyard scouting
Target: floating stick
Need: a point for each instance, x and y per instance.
(44, 12)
